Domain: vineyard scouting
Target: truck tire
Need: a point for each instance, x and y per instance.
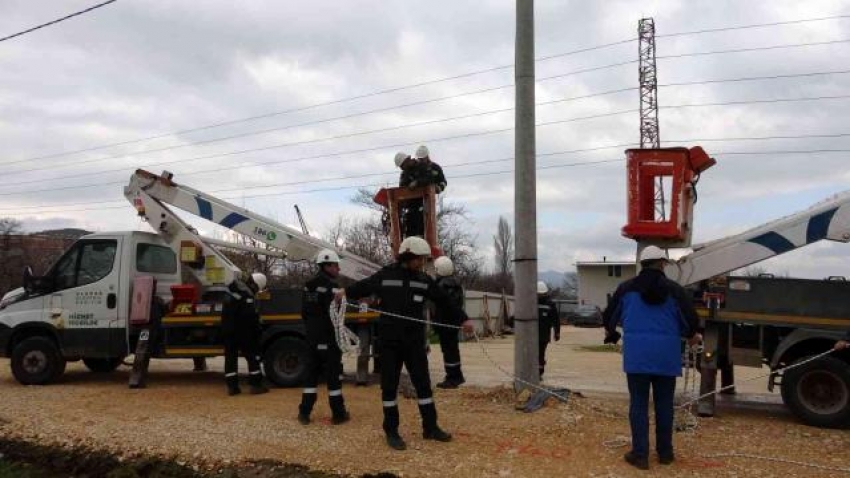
(37, 361)
(101, 365)
(819, 392)
(287, 361)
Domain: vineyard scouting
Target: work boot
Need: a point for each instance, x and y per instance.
(437, 434)
(639, 462)
(258, 389)
(233, 386)
(666, 459)
(451, 383)
(255, 380)
(303, 419)
(340, 418)
(395, 441)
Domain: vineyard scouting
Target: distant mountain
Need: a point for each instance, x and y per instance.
(553, 278)
(67, 233)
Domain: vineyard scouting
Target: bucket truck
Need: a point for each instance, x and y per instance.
(752, 321)
(159, 294)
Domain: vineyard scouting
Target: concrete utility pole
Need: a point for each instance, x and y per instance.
(525, 202)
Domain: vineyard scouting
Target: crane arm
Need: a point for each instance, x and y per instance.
(826, 220)
(296, 245)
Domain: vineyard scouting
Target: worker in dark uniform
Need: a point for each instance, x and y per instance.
(449, 335)
(429, 172)
(321, 337)
(548, 323)
(422, 172)
(403, 290)
(240, 326)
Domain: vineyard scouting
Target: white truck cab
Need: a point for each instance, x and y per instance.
(80, 308)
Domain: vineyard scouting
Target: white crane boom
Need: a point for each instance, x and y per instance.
(826, 220)
(155, 191)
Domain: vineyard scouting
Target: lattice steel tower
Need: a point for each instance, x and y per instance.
(648, 75)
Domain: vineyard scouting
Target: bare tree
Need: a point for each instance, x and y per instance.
(368, 237)
(503, 242)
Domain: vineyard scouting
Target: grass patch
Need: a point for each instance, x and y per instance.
(600, 348)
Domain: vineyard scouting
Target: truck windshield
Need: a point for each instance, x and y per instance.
(155, 259)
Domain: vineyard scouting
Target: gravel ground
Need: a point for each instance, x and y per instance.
(187, 416)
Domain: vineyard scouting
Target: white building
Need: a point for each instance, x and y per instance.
(597, 281)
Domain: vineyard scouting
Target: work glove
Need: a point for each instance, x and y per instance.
(612, 337)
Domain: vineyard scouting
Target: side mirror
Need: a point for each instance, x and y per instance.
(29, 280)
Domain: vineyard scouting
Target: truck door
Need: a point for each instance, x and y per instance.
(84, 300)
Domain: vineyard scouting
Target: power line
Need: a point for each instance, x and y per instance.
(399, 145)
(341, 188)
(603, 67)
(330, 138)
(66, 17)
(613, 146)
(760, 48)
(326, 103)
(112, 183)
(304, 158)
(756, 25)
(415, 85)
(470, 175)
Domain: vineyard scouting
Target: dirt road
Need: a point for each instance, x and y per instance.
(188, 415)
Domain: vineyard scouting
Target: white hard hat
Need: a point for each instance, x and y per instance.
(542, 288)
(653, 253)
(414, 245)
(444, 266)
(260, 280)
(422, 152)
(400, 157)
(327, 256)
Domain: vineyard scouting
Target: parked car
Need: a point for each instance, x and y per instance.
(587, 315)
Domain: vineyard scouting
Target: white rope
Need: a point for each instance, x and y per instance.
(492, 361)
(779, 370)
(784, 461)
(346, 339)
(621, 440)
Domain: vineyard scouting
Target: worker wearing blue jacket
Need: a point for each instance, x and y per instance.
(655, 313)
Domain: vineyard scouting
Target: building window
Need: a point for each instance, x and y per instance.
(615, 271)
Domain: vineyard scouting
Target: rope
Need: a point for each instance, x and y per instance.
(346, 339)
(689, 422)
(343, 304)
(780, 370)
(784, 461)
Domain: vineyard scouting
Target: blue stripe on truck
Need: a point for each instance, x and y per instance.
(773, 241)
(819, 226)
(204, 208)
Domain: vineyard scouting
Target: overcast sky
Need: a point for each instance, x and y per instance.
(138, 69)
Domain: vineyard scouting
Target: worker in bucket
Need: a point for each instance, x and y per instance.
(448, 335)
(423, 172)
(548, 324)
(412, 218)
(655, 313)
(326, 355)
(428, 172)
(403, 288)
(240, 325)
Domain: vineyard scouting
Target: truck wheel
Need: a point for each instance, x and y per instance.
(37, 361)
(819, 392)
(287, 361)
(100, 365)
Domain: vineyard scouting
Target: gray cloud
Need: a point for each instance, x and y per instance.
(139, 69)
